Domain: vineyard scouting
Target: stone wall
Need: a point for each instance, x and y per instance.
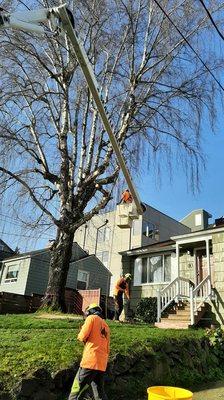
(218, 276)
(187, 269)
(176, 362)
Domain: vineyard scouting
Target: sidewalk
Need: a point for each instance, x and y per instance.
(216, 392)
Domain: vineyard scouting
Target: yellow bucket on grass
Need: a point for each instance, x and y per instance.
(168, 393)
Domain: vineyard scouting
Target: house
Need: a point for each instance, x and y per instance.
(187, 270)
(106, 235)
(5, 250)
(25, 274)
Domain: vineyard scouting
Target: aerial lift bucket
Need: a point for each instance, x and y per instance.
(168, 393)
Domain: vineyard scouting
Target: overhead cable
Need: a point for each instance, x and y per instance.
(191, 47)
(212, 19)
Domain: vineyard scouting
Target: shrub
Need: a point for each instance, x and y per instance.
(147, 310)
(216, 340)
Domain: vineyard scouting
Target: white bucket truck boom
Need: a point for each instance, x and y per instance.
(60, 20)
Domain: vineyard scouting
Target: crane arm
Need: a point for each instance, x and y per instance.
(60, 19)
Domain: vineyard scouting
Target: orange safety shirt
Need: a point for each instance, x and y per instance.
(95, 333)
(127, 197)
(122, 287)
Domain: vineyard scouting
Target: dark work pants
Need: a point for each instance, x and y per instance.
(118, 305)
(83, 379)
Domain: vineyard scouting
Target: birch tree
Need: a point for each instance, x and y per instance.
(54, 151)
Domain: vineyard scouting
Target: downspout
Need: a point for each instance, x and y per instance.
(208, 265)
(97, 232)
(84, 239)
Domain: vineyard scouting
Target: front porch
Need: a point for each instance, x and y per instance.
(185, 300)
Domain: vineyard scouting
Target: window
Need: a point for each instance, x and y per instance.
(154, 269)
(12, 273)
(82, 280)
(167, 268)
(1, 247)
(103, 234)
(148, 229)
(103, 257)
(144, 270)
(198, 221)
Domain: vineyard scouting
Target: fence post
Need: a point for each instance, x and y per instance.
(192, 305)
(158, 305)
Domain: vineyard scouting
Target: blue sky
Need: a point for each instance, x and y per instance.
(171, 198)
(175, 199)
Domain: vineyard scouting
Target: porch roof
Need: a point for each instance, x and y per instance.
(198, 235)
(167, 245)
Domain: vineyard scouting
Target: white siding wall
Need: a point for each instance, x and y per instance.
(19, 286)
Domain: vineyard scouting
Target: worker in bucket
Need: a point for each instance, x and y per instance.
(126, 197)
(95, 334)
(122, 286)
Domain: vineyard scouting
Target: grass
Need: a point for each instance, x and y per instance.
(32, 341)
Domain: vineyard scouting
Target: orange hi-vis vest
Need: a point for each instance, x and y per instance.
(127, 197)
(95, 333)
(122, 287)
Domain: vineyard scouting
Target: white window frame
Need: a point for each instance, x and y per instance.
(148, 224)
(198, 219)
(11, 280)
(138, 270)
(100, 254)
(103, 234)
(80, 280)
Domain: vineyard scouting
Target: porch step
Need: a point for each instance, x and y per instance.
(172, 325)
(181, 312)
(178, 317)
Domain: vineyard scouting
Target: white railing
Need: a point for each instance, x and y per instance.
(199, 295)
(178, 289)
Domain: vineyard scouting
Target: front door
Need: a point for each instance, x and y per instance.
(201, 265)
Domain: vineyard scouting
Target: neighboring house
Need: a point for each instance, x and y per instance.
(5, 250)
(28, 273)
(187, 268)
(106, 237)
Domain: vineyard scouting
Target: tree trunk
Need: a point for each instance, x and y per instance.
(61, 254)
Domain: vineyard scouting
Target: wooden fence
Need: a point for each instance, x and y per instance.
(76, 301)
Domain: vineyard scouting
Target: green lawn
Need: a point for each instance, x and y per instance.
(29, 342)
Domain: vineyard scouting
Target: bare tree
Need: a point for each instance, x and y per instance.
(54, 152)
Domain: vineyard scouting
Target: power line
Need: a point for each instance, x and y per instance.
(21, 222)
(24, 236)
(212, 19)
(20, 226)
(191, 47)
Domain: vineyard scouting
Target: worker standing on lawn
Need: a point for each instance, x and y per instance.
(122, 286)
(95, 334)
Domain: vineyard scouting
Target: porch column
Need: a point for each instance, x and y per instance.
(208, 262)
(178, 268)
(177, 258)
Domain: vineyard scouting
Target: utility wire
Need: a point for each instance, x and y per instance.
(24, 236)
(212, 19)
(191, 47)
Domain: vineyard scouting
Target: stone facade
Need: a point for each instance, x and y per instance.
(218, 276)
(187, 266)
